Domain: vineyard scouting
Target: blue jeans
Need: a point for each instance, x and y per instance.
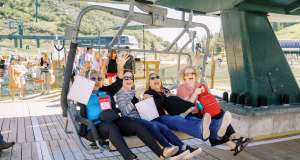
(213, 128)
(1, 139)
(190, 125)
(162, 133)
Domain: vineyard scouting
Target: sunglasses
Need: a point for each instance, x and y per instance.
(96, 78)
(154, 77)
(128, 78)
(192, 73)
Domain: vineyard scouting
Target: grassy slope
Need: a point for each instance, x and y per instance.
(291, 32)
(55, 15)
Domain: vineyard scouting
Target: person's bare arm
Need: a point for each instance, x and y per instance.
(121, 62)
(194, 96)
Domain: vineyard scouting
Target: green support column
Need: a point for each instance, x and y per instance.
(257, 65)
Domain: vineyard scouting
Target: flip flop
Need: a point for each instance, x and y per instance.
(241, 144)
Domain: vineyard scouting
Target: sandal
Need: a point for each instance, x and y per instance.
(241, 144)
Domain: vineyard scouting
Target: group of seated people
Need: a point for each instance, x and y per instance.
(193, 111)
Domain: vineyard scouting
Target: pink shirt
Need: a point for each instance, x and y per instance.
(185, 90)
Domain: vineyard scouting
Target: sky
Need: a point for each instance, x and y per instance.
(169, 34)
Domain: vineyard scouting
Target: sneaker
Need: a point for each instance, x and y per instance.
(6, 145)
(193, 152)
(170, 151)
(224, 124)
(133, 157)
(180, 155)
(205, 126)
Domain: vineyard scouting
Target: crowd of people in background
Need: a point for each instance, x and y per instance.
(102, 62)
(20, 76)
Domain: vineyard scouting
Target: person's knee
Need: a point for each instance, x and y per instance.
(155, 127)
(139, 126)
(163, 127)
(112, 128)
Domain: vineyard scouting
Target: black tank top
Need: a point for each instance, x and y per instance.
(112, 66)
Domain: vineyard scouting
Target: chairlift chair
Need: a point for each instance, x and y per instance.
(155, 16)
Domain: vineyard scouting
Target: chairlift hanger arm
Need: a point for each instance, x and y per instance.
(186, 29)
(192, 35)
(177, 39)
(140, 17)
(120, 31)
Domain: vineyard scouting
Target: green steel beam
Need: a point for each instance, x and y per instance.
(294, 8)
(208, 6)
(199, 5)
(256, 62)
(261, 8)
(10, 37)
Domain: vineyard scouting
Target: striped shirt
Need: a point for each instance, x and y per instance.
(123, 99)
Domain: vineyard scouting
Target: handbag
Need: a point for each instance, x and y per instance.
(109, 115)
(175, 105)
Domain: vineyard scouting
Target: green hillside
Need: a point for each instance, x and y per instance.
(291, 32)
(54, 15)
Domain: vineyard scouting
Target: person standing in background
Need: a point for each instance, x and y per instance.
(112, 66)
(130, 64)
(14, 83)
(2, 70)
(22, 70)
(98, 63)
(45, 65)
(85, 57)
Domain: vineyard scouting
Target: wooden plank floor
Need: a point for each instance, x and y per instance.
(38, 132)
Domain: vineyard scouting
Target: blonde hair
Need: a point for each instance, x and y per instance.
(182, 73)
(45, 54)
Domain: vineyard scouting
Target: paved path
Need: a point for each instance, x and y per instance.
(36, 125)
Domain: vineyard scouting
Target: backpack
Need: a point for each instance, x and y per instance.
(209, 103)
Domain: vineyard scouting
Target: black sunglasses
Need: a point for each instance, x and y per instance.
(154, 77)
(96, 78)
(128, 78)
(192, 73)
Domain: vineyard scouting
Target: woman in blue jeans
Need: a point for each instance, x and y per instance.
(198, 127)
(173, 146)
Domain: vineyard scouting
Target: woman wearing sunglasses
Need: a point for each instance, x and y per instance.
(173, 146)
(196, 93)
(102, 111)
(194, 127)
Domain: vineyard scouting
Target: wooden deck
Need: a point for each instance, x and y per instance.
(36, 125)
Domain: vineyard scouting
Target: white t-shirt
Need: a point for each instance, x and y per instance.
(97, 65)
(88, 57)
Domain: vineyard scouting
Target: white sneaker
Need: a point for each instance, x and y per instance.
(205, 126)
(225, 123)
(180, 156)
(193, 154)
(170, 151)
